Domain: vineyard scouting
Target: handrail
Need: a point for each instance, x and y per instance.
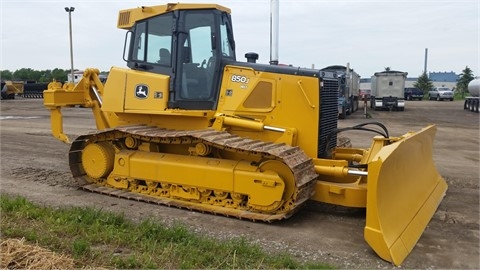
(305, 94)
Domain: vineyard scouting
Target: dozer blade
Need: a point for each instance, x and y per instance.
(404, 191)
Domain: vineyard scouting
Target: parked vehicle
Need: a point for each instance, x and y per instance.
(412, 93)
(440, 93)
(364, 93)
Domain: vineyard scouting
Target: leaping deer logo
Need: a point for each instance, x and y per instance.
(141, 91)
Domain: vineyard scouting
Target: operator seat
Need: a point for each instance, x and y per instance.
(165, 57)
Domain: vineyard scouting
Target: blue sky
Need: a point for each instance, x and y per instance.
(370, 35)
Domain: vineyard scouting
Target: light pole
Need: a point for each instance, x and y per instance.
(70, 10)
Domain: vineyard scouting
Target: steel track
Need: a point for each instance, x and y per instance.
(299, 163)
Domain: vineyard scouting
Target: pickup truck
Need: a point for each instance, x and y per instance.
(440, 93)
(412, 93)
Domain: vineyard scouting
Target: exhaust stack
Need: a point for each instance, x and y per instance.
(274, 14)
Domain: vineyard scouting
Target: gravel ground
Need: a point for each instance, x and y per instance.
(34, 165)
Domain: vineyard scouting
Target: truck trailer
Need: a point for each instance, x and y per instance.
(472, 102)
(388, 90)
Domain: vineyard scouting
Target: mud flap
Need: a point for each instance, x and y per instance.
(404, 191)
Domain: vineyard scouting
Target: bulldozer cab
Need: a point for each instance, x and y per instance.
(188, 46)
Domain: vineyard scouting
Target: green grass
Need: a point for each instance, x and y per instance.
(95, 238)
(458, 96)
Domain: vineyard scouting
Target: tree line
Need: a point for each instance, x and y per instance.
(28, 74)
(425, 84)
(48, 75)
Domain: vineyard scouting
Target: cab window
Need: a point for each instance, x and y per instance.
(153, 41)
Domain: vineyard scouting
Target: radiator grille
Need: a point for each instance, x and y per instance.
(328, 117)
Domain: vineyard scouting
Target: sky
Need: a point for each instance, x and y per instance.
(368, 34)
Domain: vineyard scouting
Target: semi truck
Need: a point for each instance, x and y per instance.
(348, 89)
(388, 90)
(472, 101)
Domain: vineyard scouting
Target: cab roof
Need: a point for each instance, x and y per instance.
(127, 17)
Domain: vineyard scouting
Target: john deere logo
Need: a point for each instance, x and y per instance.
(141, 91)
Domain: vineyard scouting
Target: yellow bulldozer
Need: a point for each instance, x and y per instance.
(26, 89)
(189, 126)
(9, 89)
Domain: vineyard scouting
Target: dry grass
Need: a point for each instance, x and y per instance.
(16, 254)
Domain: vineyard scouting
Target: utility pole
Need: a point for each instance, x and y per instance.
(425, 63)
(70, 10)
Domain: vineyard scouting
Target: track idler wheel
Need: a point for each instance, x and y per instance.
(98, 159)
(284, 172)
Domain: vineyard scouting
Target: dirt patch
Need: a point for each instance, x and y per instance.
(35, 166)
